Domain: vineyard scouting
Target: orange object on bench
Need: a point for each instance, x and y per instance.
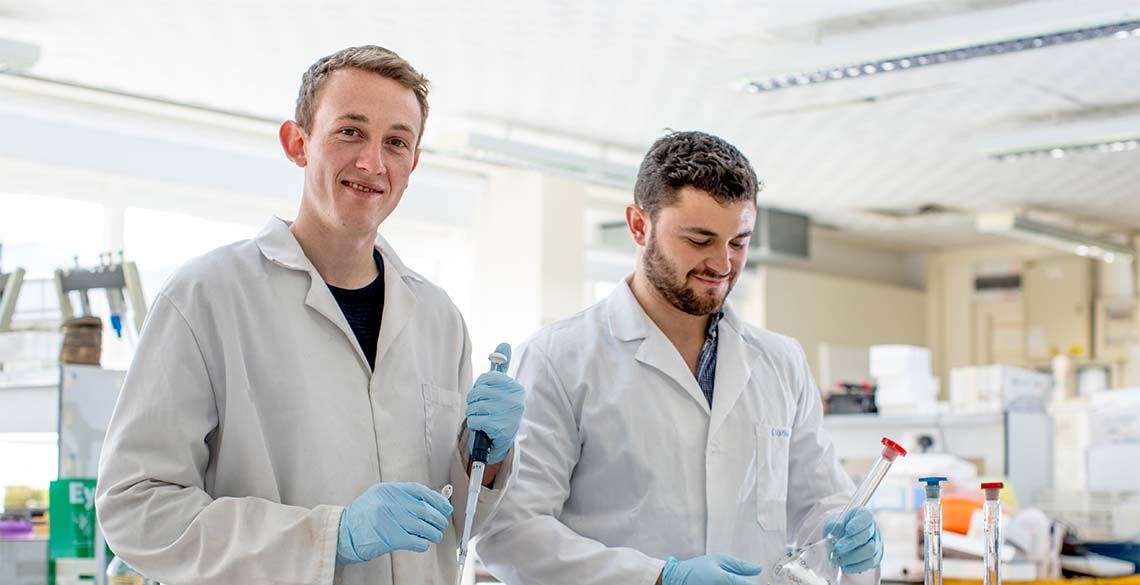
(956, 512)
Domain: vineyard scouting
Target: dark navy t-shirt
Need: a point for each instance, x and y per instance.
(363, 308)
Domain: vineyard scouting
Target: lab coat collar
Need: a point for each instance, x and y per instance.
(629, 322)
(278, 244)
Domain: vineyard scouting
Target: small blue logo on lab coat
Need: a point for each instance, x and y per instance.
(781, 433)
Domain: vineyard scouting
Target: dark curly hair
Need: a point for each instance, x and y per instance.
(693, 159)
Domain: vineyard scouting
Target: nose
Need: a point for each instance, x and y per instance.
(371, 160)
(721, 259)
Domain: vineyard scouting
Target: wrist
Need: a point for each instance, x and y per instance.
(667, 571)
(496, 456)
(345, 551)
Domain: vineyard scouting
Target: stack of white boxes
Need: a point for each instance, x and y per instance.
(988, 389)
(1114, 441)
(905, 382)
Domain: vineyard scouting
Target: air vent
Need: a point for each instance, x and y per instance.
(781, 235)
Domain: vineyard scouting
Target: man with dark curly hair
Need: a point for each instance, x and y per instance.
(666, 440)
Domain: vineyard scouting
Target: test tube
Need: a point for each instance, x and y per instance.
(866, 489)
(932, 529)
(991, 520)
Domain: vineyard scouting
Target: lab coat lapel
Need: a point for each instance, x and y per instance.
(628, 322)
(399, 300)
(279, 245)
(734, 361)
(656, 351)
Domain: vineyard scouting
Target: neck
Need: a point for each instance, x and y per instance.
(682, 329)
(343, 260)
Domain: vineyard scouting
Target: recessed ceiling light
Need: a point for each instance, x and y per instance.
(1119, 30)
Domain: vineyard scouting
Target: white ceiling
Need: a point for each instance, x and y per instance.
(618, 73)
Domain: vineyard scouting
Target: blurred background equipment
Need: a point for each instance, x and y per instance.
(82, 341)
(9, 291)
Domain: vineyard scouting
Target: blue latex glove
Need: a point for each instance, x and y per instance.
(389, 517)
(495, 406)
(859, 548)
(708, 569)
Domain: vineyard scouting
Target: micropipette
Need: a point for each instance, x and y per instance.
(932, 530)
(813, 564)
(479, 453)
(991, 520)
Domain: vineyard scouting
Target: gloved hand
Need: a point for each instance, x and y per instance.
(708, 570)
(859, 548)
(389, 517)
(495, 406)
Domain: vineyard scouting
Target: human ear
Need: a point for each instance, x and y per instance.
(293, 140)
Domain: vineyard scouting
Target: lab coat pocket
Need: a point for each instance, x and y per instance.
(772, 476)
(442, 415)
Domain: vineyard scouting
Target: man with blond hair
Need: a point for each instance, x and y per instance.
(295, 405)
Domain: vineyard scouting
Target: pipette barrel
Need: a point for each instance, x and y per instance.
(932, 530)
(991, 521)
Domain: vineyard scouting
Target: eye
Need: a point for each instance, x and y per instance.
(399, 142)
(349, 132)
(739, 245)
(699, 243)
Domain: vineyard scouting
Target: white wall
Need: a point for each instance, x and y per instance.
(529, 252)
(840, 255)
(820, 308)
(950, 284)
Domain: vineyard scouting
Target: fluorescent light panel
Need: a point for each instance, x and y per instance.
(1125, 29)
(1015, 225)
(1061, 151)
(504, 151)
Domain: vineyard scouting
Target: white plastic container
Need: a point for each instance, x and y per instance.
(899, 360)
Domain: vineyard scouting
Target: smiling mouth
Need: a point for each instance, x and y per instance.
(360, 187)
(716, 280)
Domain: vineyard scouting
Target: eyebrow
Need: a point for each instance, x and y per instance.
(355, 117)
(705, 232)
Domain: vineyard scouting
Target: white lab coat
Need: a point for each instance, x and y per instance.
(623, 463)
(250, 417)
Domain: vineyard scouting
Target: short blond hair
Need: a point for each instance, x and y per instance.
(372, 58)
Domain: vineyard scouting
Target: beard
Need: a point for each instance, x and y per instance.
(662, 275)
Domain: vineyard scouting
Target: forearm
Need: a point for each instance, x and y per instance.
(508, 551)
(180, 535)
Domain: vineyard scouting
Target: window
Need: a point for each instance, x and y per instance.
(159, 242)
(30, 459)
(41, 234)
